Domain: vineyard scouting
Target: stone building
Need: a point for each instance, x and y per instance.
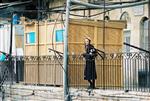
(136, 32)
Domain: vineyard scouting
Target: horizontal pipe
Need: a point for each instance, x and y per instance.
(4, 53)
(114, 3)
(141, 49)
(15, 4)
(109, 7)
(55, 51)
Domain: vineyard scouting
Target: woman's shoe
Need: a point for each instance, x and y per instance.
(89, 87)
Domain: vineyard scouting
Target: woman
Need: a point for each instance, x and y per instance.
(90, 69)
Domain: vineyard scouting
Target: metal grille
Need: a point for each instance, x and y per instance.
(118, 71)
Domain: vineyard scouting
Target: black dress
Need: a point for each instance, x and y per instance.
(90, 68)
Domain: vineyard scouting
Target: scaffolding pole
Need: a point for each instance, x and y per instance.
(10, 50)
(68, 8)
(149, 25)
(149, 41)
(65, 61)
(108, 7)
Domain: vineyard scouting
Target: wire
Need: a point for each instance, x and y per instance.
(38, 93)
(6, 70)
(68, 79)
(94, 95)
(5, 75)
(53, 31)
(54, 49)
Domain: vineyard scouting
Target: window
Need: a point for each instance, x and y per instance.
(125, 16)
(59, 35)
(144, 33)
(127, 31)
(30, 37)
(127, 40)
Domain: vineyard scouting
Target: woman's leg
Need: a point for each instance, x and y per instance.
(90, 82)
(93, 83)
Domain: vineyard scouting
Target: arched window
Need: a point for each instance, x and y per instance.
(127, 31)
(144, 33)
(125, 16)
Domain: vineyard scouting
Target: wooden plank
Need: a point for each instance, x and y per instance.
(59, 73)
(30, 50)
(31, 74)
(42, 73)
(50, 72)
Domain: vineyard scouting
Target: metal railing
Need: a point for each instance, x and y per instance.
(118, 71)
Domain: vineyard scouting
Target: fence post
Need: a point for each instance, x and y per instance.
(65, 61)
(3, 95)
(149, 41)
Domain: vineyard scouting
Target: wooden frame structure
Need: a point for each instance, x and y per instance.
(78, 30)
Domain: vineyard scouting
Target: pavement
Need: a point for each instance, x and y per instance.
(20, 92)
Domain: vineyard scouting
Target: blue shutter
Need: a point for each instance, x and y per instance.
(32, 37)
(59, 35)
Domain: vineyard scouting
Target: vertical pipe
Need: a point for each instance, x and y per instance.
(65, 61)
(89, 11)
(149, 25)
(104, 25)
(149, 41)
(3, 95)
(10, 49)
(38, 43)
(104, 77)
(17, 70)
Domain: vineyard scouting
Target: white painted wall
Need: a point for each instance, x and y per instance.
(5, 39)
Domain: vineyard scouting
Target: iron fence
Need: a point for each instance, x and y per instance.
(118, 71)
(8, 70)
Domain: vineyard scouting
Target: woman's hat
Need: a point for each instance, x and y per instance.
(87, 37)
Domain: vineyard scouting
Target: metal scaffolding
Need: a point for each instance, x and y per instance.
(82, 5)
(68, 8)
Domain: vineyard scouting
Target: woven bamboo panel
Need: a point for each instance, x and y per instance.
(50, 72)
(108, 39)
(31, 73)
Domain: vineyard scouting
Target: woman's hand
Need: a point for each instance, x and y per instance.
(84, 54)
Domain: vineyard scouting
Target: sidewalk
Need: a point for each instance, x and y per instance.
(50, 93)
